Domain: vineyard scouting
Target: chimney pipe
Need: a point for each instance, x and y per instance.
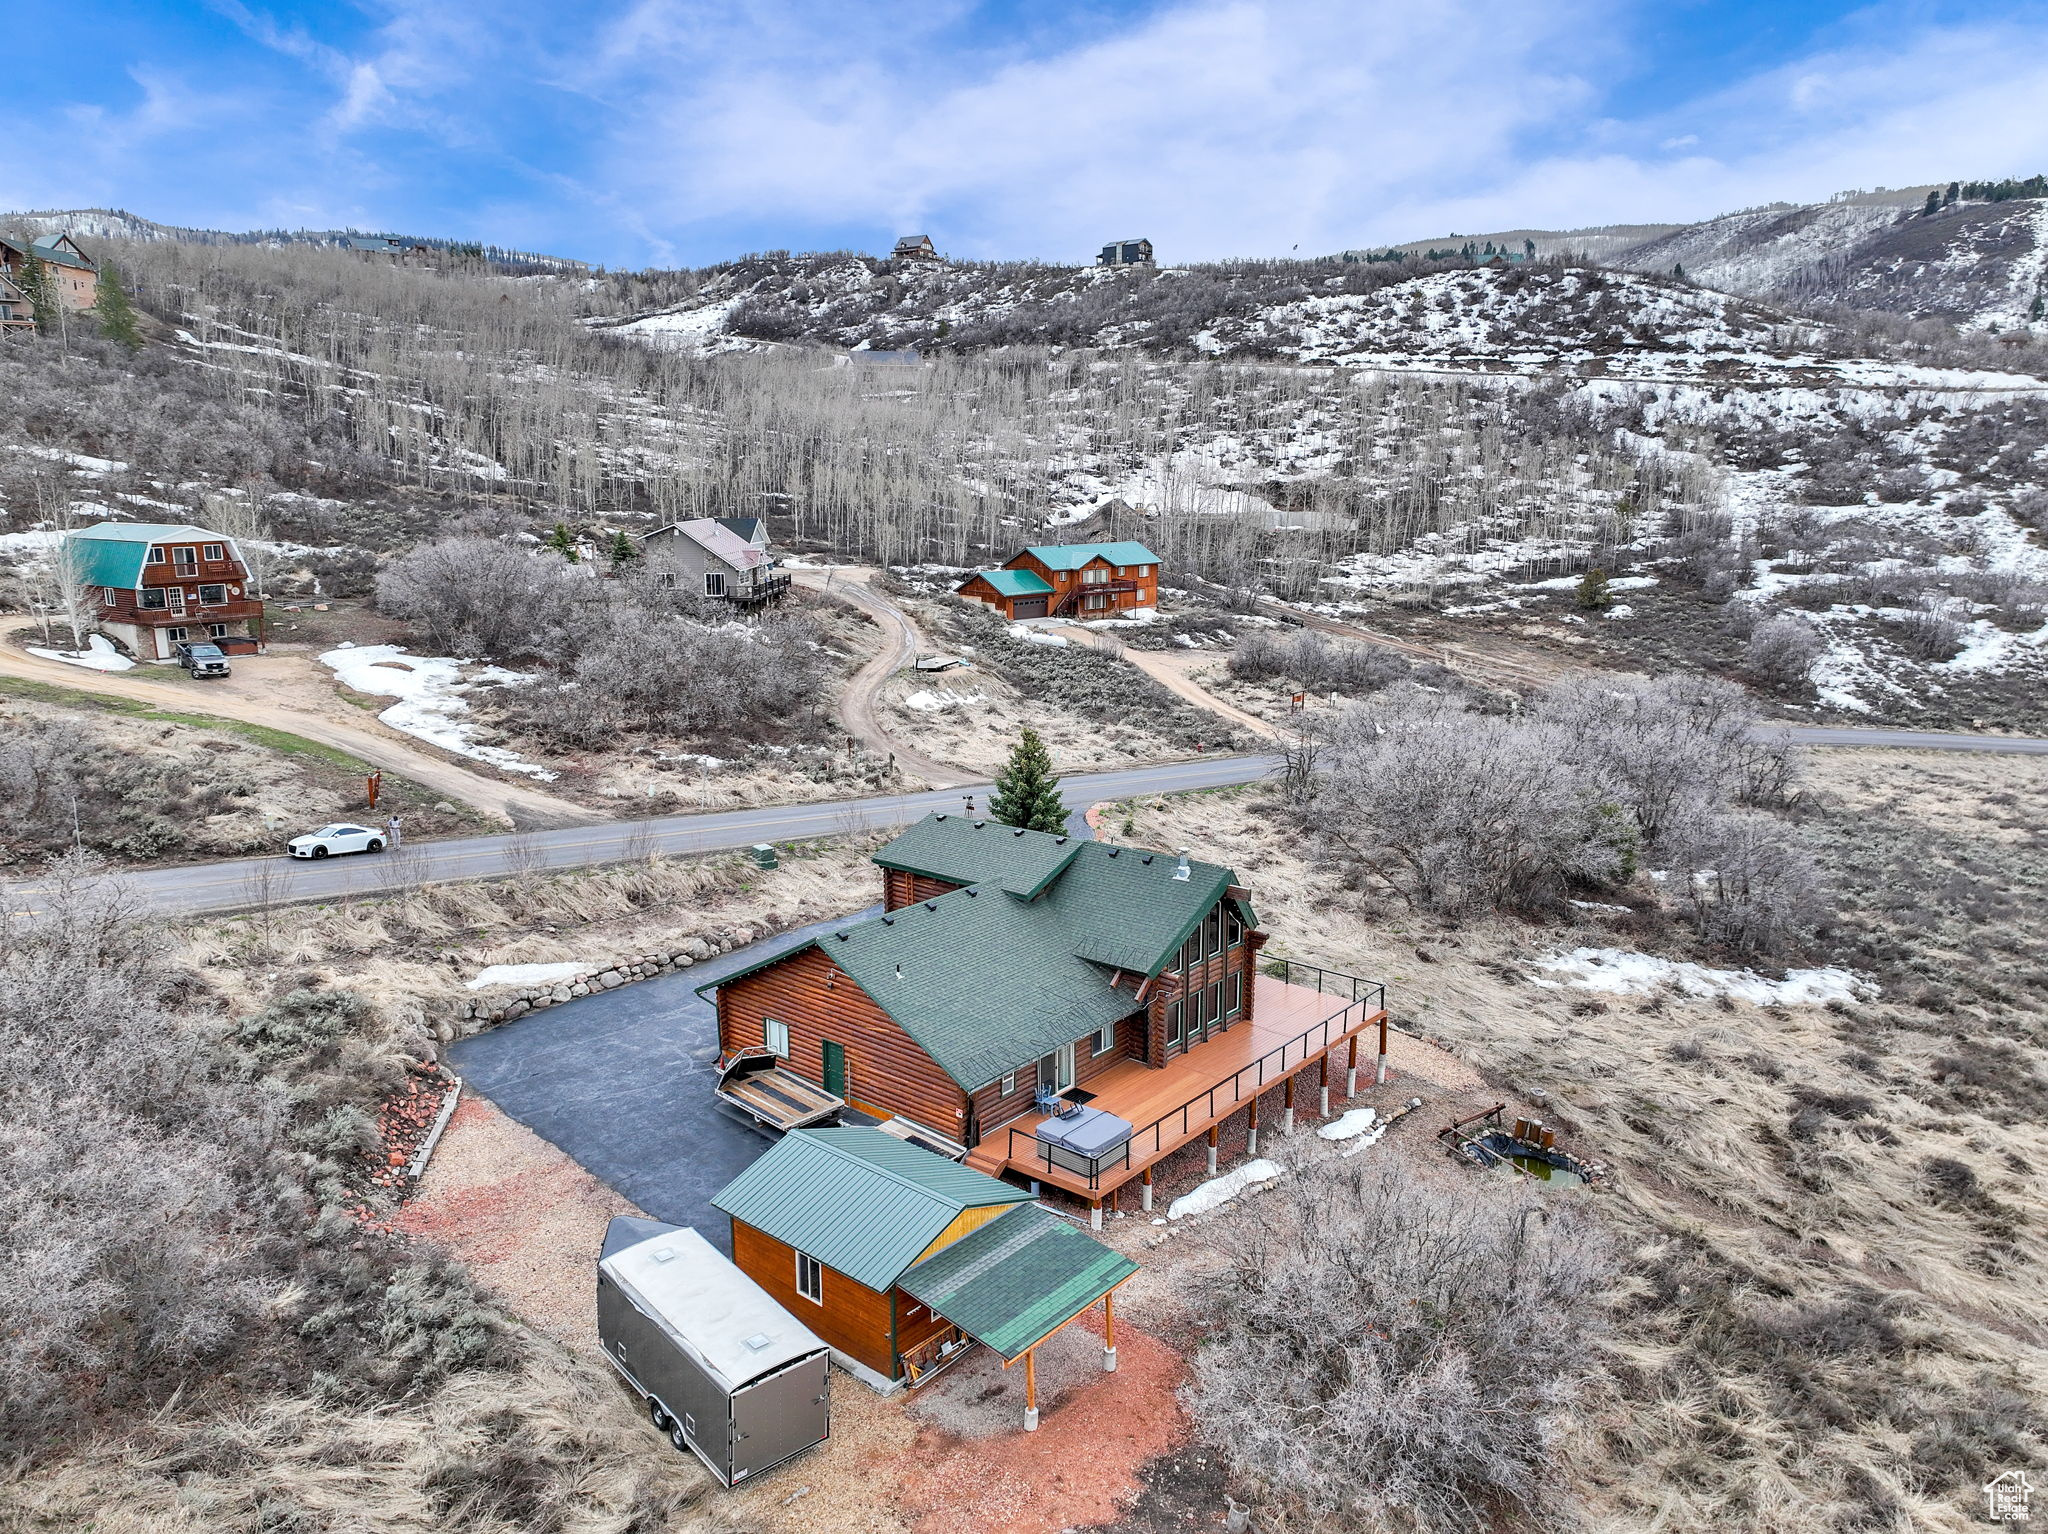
(1181, 873)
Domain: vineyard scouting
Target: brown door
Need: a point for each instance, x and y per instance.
(1029, 607)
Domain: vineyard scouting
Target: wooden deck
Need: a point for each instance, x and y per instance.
(1293, 1029)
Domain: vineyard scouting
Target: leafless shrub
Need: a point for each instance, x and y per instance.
(522, 854)
(1452, 811)
(1782, 651)
(1403, 1347)
(1753, 888)
(1320, 665)
(1935, 632)
(481, 597)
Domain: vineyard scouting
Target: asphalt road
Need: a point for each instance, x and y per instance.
(252, 882)
(249, 883)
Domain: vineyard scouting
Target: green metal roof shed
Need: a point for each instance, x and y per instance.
(863, 1203)
(1015, 583)
(1018, 1279)
(1071, 556)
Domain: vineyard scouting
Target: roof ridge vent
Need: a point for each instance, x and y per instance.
(1180, 873)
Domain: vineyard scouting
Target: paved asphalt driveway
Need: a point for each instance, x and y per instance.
(622, 1081)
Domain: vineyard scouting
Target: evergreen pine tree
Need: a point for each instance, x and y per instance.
(563, 542)
(1027, 790)
(1593, 593)
(1933, 205)
(113, 310)
(622, 549)
(1678, 270)
(1948, 198)
(35, 286)
(2035, 312)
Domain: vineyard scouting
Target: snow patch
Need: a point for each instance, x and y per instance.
(430, 704)
(526, 974)
(98, 655)
(1349, 1126)
(1034, 636)
(929, 702)
(1218, 1191)
(1622, 973)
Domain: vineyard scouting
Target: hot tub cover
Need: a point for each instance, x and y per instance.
(1087, 1132)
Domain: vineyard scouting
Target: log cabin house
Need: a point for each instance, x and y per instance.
(901, 1259)
(1065, 1011)
(154, 585)
(1070, 580)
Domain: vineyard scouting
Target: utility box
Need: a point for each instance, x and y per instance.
(764, 856)
(726, 1372)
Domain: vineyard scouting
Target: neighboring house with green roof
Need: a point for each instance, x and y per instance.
(1008, 965)
(1070, 580)
(900, 1258)
(73, 276)
(154, 585)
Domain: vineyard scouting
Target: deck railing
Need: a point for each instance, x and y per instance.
(1147, 1142)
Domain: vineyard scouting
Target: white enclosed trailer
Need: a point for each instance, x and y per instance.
(725, 1371)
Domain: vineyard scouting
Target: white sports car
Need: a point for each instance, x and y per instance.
(341, 837)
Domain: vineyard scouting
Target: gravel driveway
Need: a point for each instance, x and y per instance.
(622, 1082)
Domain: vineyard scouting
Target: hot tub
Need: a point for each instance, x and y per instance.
(1084, 1140)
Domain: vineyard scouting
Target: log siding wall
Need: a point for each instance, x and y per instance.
(901, 888)
(852, 1317)
(886, 1073)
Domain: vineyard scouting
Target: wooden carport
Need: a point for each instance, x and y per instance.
(1017, 1280)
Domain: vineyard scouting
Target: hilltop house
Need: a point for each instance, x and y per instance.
(15, 312)
(1070, 580)
(725, 558)
(73, 276)
(152, 585)
(1066, 1010)
(915, 247)
(901, 1259)
(1125, 253)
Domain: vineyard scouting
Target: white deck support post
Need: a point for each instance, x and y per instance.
(1351, 1070)
(1381, 1080)
(1287, 1109)
(1145, 1190)
(1323, 1075)
(1212, 1150)
(1251, 1144)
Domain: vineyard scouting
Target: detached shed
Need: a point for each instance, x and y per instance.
(726, 1372)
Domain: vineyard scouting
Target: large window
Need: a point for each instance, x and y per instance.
(1233, 929)
(1212, 932)
(1094, 576)
(810, 1278)
(214, 551)
(1174, 1026)
(714, 583)
(151, 600)
(776, 1035)
(185, 561)
(213, 596)
(156, 553)
(1234, 996)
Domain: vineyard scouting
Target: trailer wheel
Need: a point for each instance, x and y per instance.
(656, 1415)
(675, 1436)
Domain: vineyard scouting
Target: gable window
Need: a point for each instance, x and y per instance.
(212, 596)
(1094, 575)
(1233, 929)
(776, 1036)
(1105, 1038)
(213, 551)
(1212, 931)
(156, 553)
(152, 600)
(810, 1278)
(714, 583)
(1233, 996)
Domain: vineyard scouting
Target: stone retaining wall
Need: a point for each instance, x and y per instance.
(502, 1004)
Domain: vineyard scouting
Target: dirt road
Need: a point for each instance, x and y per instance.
(281, 693)
(1172, 669)
(856, 710)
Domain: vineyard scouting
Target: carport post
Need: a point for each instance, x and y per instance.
(1030, 1391)
(1145, 1190)
(1351, 1070)
(1109, 1332)
(1382, 1078)
(1212, 1149)
(1287, 1117)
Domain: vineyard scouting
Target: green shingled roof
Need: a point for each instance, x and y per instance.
(1015, 583)
(986, 982)
(863, 1203)
(1017, 1279)
(962, 850)
(1071, 556)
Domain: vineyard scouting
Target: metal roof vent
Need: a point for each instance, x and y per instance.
(979, 824)
(665, 1254)
(759, 1341)
(1059, 841)
(1114, 851)
(938, 817)
(1146, 860)
(1018, 832)
(931, 905)
(1181, 873)
(899, 972)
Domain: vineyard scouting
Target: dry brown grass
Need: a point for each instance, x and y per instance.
(1833, 1313)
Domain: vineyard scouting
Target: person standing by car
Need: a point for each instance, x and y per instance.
(393, 832)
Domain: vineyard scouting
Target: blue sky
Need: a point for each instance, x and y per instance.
(667, 132)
